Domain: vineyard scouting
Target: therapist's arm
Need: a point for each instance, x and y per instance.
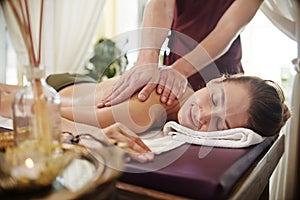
(158, 17)
(238, 15)
(173, 80)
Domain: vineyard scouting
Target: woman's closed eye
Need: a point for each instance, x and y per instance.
(219, 124)
(214, 99)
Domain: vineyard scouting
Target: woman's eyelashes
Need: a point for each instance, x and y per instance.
(219, 124)
(215, 101)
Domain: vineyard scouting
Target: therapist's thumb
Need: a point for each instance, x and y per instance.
(146, 91)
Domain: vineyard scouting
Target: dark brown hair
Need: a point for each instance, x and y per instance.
(268, 112)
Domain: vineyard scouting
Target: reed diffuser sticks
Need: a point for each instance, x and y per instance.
(41, 127)
(21, 13)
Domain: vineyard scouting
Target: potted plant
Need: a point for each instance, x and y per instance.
(107, 60)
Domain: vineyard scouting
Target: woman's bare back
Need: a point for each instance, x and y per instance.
(85, 94)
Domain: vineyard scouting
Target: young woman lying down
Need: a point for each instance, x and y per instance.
(238, 101)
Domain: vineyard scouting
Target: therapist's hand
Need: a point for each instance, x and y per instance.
(172, 85)
(130, 82)
(129, 141)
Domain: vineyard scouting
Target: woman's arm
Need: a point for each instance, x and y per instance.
(137, 116)
(120, 133)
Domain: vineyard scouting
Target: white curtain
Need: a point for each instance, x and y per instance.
(68, 30)
(285, 14)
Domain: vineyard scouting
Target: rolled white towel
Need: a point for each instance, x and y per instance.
(231, 138)
(159, 143)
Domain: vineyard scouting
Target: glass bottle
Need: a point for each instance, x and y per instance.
(36, 112)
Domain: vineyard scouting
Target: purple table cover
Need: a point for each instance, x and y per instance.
(195, 171)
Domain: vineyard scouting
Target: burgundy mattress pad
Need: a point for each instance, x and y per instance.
(193, 171)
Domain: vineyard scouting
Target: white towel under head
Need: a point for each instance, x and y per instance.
(174, 135)
(231, 138)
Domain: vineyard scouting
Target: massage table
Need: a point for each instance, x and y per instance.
(223, 173)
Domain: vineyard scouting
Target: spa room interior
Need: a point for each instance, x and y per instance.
(101, 39)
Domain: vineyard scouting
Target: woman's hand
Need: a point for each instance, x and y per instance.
(117, 133)
(128, 140)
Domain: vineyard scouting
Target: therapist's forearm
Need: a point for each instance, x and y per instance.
(220, 39)
(157, 21)
(205, 53)
(210, 49)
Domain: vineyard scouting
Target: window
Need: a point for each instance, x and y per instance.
(267, 52)
(2, 48)
(8, 59)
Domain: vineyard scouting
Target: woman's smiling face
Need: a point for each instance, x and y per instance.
(219, 106)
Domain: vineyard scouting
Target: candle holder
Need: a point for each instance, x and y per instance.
(32, 175)
(37, 157)
(27, 168)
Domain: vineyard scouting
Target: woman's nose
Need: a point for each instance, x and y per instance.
(204, 116)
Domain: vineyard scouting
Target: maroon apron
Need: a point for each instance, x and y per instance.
(193, 21)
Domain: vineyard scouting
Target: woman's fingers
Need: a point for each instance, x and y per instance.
(128, 140)
(146, 157)
(132, 135)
